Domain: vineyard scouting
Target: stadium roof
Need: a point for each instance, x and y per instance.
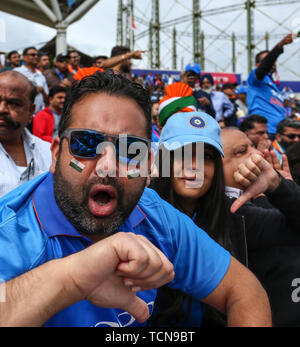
(48, 12)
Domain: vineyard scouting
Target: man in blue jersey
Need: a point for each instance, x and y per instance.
(67, 249)
(263, 95)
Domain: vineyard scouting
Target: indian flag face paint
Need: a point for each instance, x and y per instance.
(77, 165)
(135, 173)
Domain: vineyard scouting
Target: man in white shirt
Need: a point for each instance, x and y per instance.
(23, 156)
(29, 69)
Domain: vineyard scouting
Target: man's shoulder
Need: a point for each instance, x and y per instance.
(20, 231)
(46, 112)
(22, 69)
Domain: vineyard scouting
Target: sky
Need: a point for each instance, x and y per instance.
(95, 33)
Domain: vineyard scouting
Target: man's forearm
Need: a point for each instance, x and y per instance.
(249, 310)
(34, 297)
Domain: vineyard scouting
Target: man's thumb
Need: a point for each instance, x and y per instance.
(138, 309)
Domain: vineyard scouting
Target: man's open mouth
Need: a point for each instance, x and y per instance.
(103, 200)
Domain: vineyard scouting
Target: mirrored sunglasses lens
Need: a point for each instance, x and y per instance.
(132, 150)
(84, 143)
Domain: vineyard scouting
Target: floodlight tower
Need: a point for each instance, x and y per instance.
(196, 31)
(120, 24)
(250, 32)
(155, 31)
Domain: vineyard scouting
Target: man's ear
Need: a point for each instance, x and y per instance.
(55, 153)
(31, 113)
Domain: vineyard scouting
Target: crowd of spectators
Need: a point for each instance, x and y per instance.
(251, 136)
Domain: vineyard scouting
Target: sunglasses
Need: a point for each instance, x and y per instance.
(292, 136)
(86, 144)
(32, 54)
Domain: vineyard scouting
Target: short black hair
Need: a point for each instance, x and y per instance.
(27, 49)
(119, 50)
(99, 57)
(42, 54)
(11, 53)
(258, 55)
(228, 86)
(248, 122)
(112, 84)
(56, 89)
(291, 123)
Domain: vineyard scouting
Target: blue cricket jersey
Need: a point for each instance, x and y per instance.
(265, 99)
(33, 230)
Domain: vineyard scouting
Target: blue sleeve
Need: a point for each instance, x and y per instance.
(252, 80)
(199, 262)
(22, 245)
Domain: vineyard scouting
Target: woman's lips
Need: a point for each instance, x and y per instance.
(103, 200)
(193, 182)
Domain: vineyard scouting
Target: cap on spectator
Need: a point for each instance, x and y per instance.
(193, 67)
(62, 57)
(241, 90)
(182, 129)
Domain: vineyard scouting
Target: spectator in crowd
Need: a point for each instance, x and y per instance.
(263, 95)
(293, 154)
(85, 201)
(13, 61)
(221, 104)
(97, 61)
(155, 121)
(29, 69)
(45, 122)
(23, 156)
(241, 102)
(229, 90)
(288, 132)
(44, 62)
(193, 193)
(123, 56)
(255, 127)
(191, 77)
(270, 223)
(287, 105)
(59, 75)
(74, 62)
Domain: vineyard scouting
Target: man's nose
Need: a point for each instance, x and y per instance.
(107, 162)
(265, 136)
(3, 106)
(297, 138)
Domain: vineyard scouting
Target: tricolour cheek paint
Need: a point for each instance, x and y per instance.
(77, 165)
(134, 173)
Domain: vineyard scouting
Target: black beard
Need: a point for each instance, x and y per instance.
(285, 144)
(78, 213)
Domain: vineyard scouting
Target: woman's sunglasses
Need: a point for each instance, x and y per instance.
(86, 144)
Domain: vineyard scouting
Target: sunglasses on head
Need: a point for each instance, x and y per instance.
(86, 144)
(292, 136)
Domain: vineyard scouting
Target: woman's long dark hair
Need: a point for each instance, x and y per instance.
(211, 216)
